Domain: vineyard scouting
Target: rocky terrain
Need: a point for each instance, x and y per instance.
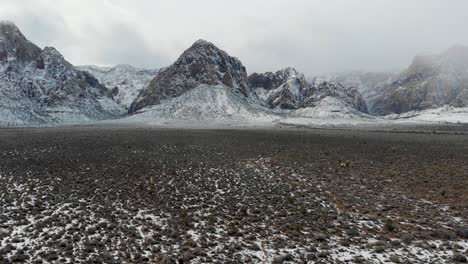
(102, 195)
(124, 81)
(40, 87)
(431, 81)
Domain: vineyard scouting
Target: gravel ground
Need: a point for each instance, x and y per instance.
(122, 195)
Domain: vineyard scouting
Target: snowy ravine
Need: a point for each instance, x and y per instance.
(124, 81)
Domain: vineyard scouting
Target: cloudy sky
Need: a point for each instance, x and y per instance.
(315, 36)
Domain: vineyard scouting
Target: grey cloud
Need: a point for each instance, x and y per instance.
(121, 43)
(315, 36)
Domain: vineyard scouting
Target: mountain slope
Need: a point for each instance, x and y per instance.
(202, 63)
(125, 81)
(430, 82)
(205, 103)
(40, 86)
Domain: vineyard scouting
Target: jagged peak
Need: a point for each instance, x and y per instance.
(9, 30)
(289, 70)
(51, 51)
(289, 73)
(203, 48)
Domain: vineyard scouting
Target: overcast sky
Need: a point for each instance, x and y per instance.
(313, 36)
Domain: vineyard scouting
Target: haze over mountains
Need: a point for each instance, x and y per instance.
(40, 87)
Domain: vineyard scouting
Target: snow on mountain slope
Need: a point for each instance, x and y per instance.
(205, 103)
(217, 106)
(124, 81)
(328, 112)
(444, 114)
(329, 107)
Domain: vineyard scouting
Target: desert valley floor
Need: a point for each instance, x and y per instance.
(147, 195)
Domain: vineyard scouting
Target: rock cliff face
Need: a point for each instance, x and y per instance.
(202, 63)
(430, 82)
(282, 89)
(39, 86)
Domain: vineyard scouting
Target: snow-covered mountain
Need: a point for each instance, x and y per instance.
(202, 63)
(40, 87)
(289, 89)
(123, 80)
(430, 82)
(204, 66)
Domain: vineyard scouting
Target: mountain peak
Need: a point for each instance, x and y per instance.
(9, 32)
(202, 63)
(14, 47)
(202, 42)
(202, 49)
(8, 25)
(289, 72)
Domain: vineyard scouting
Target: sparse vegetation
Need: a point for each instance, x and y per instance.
(165, 196)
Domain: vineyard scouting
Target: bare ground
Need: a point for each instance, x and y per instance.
(122, 195)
